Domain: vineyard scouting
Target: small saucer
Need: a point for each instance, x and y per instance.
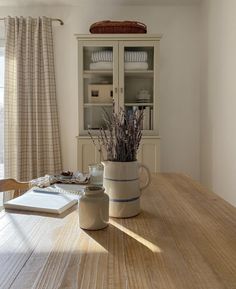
(143, 100)
(62, 177)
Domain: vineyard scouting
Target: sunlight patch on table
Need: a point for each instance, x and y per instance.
(154, 248)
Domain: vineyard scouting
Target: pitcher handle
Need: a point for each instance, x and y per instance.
(148, 176)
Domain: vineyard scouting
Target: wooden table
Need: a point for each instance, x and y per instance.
(185, 237)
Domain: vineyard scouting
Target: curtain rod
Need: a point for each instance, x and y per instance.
(52, 19)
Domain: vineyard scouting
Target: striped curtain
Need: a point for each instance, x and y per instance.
(31, 132)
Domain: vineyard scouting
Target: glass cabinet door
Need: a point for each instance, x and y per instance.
(138, 81)
(98, 90)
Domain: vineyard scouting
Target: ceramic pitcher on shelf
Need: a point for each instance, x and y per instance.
(122, 184)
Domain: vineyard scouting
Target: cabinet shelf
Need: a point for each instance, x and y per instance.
(128, 73)
(97, 104)
(94, 73)
(139, 73)
(139, 104)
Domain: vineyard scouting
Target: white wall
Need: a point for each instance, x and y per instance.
(218, 102)
(180, 78)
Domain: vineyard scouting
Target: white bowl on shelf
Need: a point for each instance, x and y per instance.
(143, 98)
(143, 95)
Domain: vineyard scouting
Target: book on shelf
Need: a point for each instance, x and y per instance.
(151, 118)
(146, 118)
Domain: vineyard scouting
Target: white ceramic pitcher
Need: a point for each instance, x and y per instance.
(121, 183)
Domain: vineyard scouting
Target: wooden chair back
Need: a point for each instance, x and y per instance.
(12, 185)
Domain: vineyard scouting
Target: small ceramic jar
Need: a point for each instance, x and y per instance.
(93, 208)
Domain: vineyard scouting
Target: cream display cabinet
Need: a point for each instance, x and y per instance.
(118, 70)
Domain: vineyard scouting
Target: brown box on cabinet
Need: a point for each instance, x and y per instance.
(100, 93)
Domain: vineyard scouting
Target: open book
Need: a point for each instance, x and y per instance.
(43, 201)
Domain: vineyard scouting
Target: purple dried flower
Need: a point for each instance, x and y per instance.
(122, 135)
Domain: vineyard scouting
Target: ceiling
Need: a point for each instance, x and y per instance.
(96, 2)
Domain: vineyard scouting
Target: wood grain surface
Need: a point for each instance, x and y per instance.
(185, 238)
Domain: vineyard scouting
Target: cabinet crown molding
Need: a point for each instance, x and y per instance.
(137, 36)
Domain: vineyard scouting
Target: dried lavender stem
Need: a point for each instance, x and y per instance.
(122, 136)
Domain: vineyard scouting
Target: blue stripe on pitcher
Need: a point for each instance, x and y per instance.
(124, 200)
(120, 180)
